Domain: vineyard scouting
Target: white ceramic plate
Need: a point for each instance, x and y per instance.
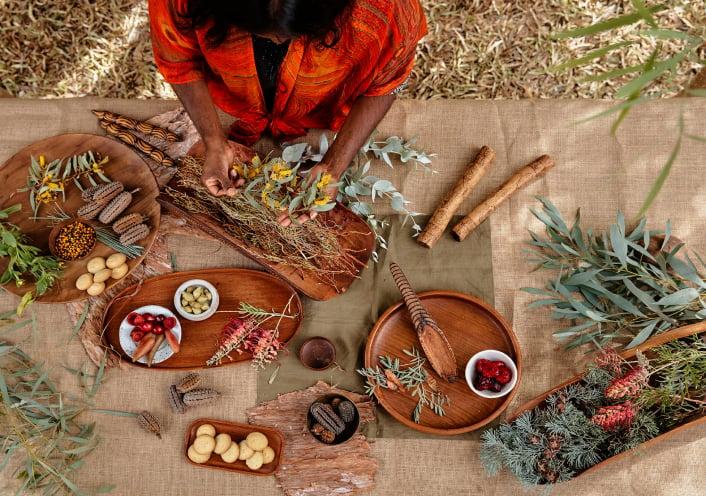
(129, 346)
(215, 300)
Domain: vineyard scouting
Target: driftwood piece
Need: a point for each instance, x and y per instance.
(308, 467)
(433, 340)
(449, 204)
(520, 179)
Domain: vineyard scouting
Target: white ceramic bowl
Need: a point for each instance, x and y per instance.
(491, 355)
(202, 316)
(129, 346)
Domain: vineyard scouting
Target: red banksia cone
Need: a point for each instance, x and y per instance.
(611, 418)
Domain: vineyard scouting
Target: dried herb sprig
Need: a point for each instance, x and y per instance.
(618, 285)
(409, 377)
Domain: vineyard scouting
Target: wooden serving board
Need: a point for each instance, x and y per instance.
(237, 432)
(470, 325)
(665, 337)
(124, 166)
(199, 339)
(358, 238)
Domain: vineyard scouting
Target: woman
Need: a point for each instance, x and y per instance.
(282, 67)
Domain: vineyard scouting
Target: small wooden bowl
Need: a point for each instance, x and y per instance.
(317, 353)
(351, 427)
(54, 233)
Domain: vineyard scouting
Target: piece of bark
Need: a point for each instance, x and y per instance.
(434, 343)
(449, 204)
(311, 468)
(521, 178)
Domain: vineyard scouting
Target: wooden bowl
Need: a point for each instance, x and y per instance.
(237, 432)
(54, 233)
(470, 325)
(351, 427)
(317, 353)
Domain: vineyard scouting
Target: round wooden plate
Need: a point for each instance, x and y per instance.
(125, 166)
(470, 325)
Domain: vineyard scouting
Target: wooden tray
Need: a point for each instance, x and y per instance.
(125, 166)
(199, 339)
(470, 325)
(665, 337)
(358, 238)
(237, 432)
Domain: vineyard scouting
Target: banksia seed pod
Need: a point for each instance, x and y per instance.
(346, 410)
(126, 222)
(150, 423)
(325, 415)
(175, 400)
(115, 207)
(134, 234)
(87, 194)
(90, 210)
(327, 436)
(202, 396)
(107, 192)
(188, 383)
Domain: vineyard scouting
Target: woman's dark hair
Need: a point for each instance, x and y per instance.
(318, 19)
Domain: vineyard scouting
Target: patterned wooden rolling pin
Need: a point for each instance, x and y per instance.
(433, 340)
(127, 137)
(135, 125)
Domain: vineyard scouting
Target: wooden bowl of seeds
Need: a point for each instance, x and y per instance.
(72, 240)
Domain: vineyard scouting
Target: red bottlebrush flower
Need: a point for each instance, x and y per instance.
(609, 359)
(627, 386)
(614, 417)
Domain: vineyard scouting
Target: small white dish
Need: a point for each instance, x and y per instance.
(491, 355)
(202, 316)
(129, 346)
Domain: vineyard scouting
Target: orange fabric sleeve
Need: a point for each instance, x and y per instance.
(406, 27)
(176, 49)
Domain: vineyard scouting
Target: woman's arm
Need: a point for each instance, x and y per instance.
(220, 153)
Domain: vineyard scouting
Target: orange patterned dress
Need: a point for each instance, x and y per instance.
(316, 86)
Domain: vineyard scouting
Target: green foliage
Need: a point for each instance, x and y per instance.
(614, 286)
(25, 260)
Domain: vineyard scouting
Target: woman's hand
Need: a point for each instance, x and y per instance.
(218, 175)
(332, 192)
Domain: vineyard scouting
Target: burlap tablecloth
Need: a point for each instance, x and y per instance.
(594, 171)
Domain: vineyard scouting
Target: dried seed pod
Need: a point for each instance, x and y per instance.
(134, 234)
(175, 400)
(108, 191)
(116, 206)
(325, 415)
(90, 210)
(150, 423)
(188, 383)
(127, 221)
(129, 138)
(327, 436)
(346, 410)
(134, 124)
(87, 194)
(202, 396)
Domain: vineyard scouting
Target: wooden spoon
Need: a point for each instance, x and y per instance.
(433, 340)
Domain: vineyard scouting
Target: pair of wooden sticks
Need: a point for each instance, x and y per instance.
(463, 187)
(120, 126)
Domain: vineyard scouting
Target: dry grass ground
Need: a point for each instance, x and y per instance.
(475, 48)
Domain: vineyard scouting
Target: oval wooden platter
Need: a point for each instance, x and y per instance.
(665, 337)
(470, 325)
(199, 339)
(237, 432)
(359, 240)
(124, 166)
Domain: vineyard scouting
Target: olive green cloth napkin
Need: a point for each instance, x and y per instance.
(347, 319)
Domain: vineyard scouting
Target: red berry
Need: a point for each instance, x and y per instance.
(170, 323)
(148, 317)
(138, 319)
(504, 376)
(158, 328)
(495, 386)
(146, 326)
(483, 383)
(159, 318)
(131, 318)
(137, 335)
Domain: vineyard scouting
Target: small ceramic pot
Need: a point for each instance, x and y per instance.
(204, 315)
(491, 355)
(351, 427)
(317, 353)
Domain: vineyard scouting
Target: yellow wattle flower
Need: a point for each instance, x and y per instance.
(42, 161)
(54, 186)
(324, 181)
(238, 169)
(322, 201)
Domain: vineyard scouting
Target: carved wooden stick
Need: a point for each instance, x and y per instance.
(453, 199)
(127, 137)
(523, 176)
(433, 340)
(135, 125)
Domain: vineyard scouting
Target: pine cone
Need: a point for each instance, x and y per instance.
(627, 386)
(325, 415)
(611, 418)
(346, 410)
(150, 423)
(188, 382)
